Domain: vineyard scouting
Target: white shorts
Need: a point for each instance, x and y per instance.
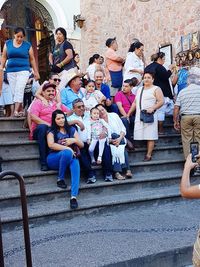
(17, 82)
(6, 96)
(167, 108)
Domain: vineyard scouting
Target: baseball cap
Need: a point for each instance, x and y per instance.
(48, 85)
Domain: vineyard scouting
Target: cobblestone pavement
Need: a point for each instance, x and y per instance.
(101, 238)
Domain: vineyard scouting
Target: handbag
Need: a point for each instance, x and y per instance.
(196, 251)
(144, 115)
(76, 150)
(74, 147)
(115, 136)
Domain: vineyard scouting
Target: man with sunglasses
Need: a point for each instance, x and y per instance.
(80, 121)
(53, 79)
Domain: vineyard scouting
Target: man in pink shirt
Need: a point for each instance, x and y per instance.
(114, 64)
(41, 120)
(124, 100)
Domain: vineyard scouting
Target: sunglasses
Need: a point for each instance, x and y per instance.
(57, 80)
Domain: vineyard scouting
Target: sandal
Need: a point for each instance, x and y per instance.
(147, 158)
(118, 176)
(16, 114)
(21, 114)
(129, 174)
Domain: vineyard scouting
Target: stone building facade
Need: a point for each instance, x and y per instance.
(155, 23)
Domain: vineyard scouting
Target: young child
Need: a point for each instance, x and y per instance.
(95, 129)
(6, 100)
(92, 97)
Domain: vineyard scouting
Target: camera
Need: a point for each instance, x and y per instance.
(194, 150)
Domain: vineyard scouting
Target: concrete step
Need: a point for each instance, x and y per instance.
(21, 163)
(17, 148)
(57, 208)
(169, 139)
(169, 128)
(47, 184)
(160, 152)
(11, 123)
(10, 135)
(24, 163)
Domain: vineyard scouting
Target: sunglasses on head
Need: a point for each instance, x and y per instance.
(56, 80)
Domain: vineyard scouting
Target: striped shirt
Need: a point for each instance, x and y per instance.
(189, 100)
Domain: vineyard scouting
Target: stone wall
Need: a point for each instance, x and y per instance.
(155, 23)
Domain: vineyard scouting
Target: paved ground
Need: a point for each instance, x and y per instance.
(98, 239)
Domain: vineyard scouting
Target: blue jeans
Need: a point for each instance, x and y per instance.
(85, 162)
(40, 134)
(129, 125)
(113, 108)
(60, 161)
(106, 159)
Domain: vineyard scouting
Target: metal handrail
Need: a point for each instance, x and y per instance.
(24, 219)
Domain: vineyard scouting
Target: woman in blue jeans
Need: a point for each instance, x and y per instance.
(61, 139)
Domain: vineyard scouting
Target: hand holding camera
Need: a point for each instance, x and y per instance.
(194, 161)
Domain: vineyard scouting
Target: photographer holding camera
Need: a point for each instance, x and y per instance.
(191, 191)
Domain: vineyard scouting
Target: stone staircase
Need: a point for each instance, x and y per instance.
(153, 182)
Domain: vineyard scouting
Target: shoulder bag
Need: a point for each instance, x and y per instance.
(144, 115)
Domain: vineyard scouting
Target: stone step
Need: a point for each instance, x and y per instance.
(10, 135)
(11, 123)
(160, 152)
(16, 148)
(47, 185)
(169, 128)
(169, 139)
(57, 208)
(21, 164)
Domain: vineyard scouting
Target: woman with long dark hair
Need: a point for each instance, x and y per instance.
(62, 57)
(62, 140)
(134, 65)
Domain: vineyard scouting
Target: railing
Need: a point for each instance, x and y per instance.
(24, 219)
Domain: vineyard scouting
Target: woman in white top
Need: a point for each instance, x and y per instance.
(94, 64)
(134, 65)
(152, 99)
(117, 143)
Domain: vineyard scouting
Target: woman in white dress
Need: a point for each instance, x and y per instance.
(152, 99)
(134, 65)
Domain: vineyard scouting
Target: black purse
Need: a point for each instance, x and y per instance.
(144, 115)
